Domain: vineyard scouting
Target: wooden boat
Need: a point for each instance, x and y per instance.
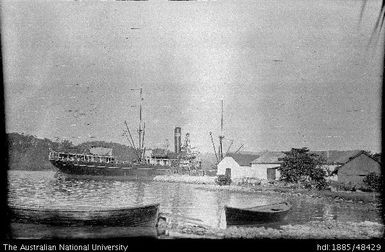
(146, 216)
(258, 214)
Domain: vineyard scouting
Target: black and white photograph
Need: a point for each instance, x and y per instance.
(197, 120)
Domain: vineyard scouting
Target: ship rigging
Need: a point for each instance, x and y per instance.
(220, 155)
(140, 150)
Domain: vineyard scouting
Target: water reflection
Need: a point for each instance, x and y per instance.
(181, 200)
(39, 231)
(205, 207)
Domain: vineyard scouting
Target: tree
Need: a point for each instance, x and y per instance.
(65, 145)
(373, 181)
(301, 166)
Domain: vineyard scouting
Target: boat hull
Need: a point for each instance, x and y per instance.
(144, 216)
(242, 216)
(110, 170)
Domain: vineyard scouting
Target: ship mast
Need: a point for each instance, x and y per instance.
(215, 152)
(140, 129)
(219, 156)
(221, 136)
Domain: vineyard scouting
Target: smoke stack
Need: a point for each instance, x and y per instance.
(177, 139)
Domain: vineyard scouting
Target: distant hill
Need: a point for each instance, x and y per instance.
(26, 152)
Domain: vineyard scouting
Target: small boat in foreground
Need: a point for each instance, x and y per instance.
(258, 214)
(145, 216)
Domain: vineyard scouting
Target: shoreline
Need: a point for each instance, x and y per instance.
(208, 183)
(310, 230)
(170, 228)
(188, 179)
(328, 229)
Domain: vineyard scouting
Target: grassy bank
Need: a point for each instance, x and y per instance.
(360, 197)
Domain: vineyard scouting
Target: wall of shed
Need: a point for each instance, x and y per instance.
(354, 171)
(227, 162)
(248, 172)
(260, 170)
(237, 171)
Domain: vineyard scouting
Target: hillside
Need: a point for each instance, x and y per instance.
(26, 152)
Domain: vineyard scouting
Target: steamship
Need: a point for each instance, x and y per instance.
(148, 164)
(101, 162)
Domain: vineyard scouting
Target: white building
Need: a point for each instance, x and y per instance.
(239, 165)
(266, 166)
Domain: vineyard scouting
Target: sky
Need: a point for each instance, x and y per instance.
(300, 73)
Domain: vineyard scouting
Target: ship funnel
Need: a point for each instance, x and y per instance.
(177, 139)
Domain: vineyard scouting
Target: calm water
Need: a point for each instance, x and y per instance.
(181, 200)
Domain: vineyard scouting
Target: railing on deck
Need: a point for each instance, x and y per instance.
(67, 156)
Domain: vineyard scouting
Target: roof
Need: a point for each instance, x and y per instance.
(353, 157)
(243, 159)
(101, 151)
(331, 156)
(269, 157)
(338, 157)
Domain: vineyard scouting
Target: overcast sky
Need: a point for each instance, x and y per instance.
(291, 73)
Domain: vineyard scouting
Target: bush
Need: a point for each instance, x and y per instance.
(373, 181)
(300, 166)
(223, 180)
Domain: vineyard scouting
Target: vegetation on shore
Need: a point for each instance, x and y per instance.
(301, 166)
(26, 152)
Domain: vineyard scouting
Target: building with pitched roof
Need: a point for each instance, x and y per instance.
(343, 166)
(356, 168)
(334, 159)
(239, 165)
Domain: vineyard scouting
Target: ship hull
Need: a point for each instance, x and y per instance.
(119, 171)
